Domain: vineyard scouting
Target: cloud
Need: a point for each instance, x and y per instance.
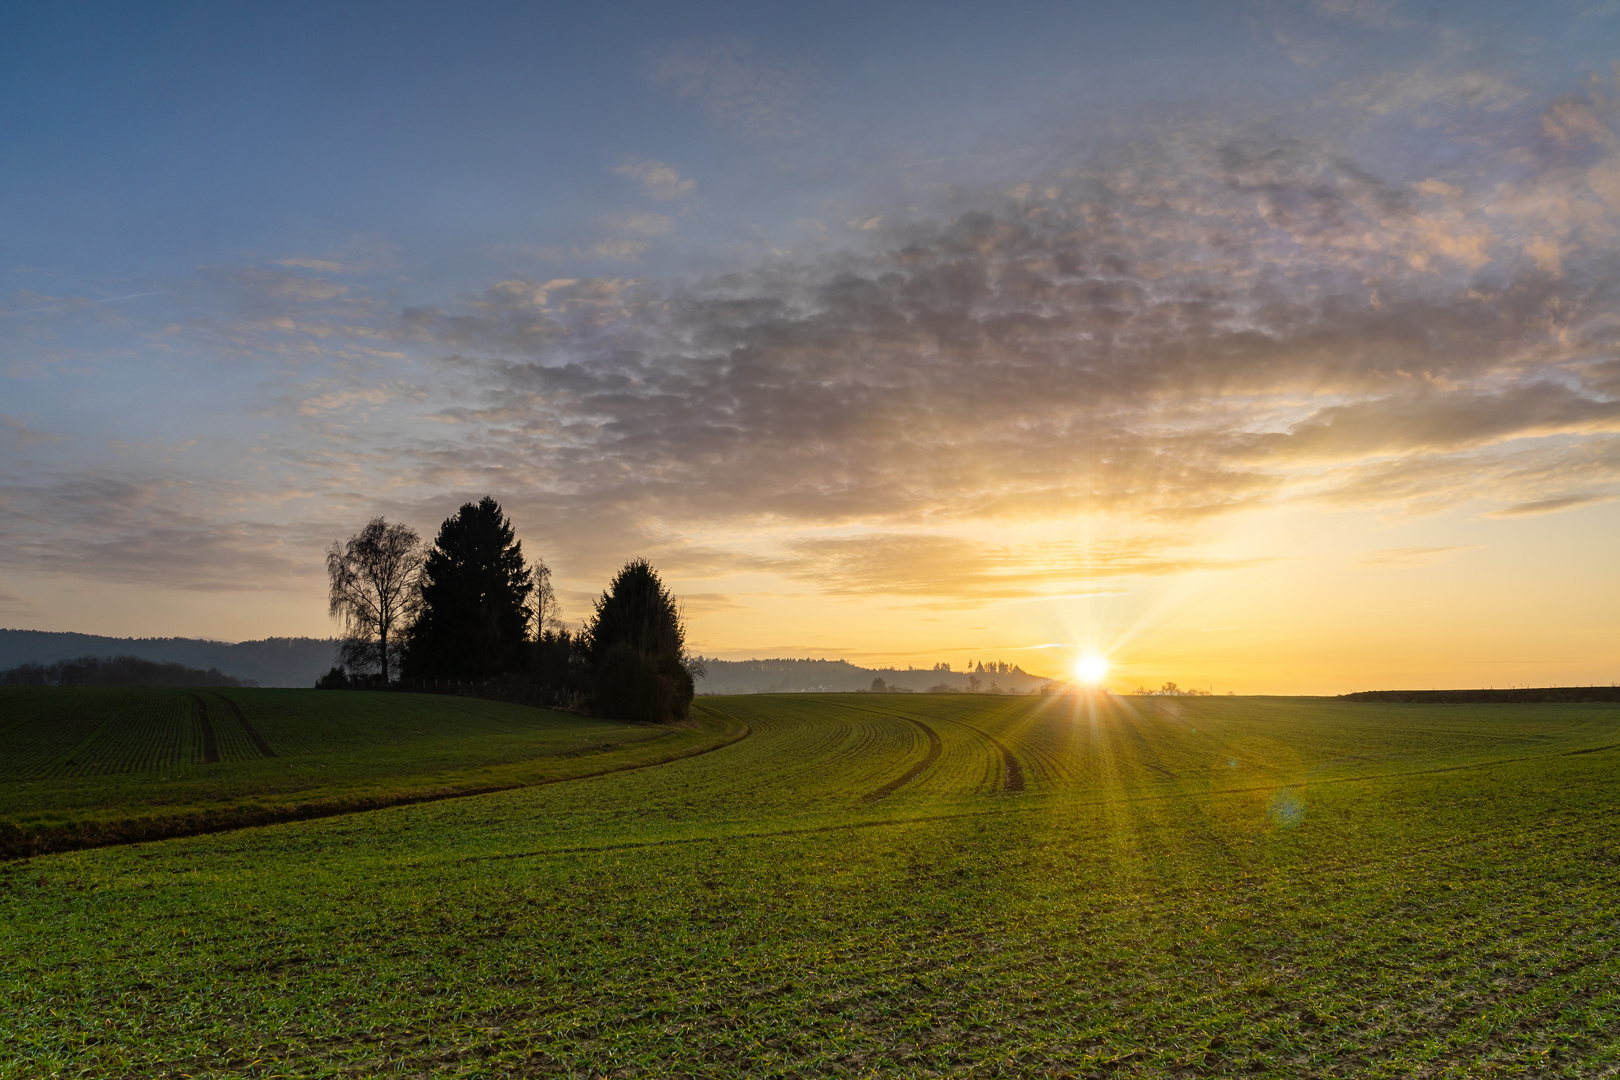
(1549, 506)
(358, 255)
(659, 180)
(739, 88)
(21, 434)
(1433, 90)
(1540, 471)
(331, 396)
(320, 266)
(1205, 318)
(167, 531)
(958, 570)
(617, 249)
(1367, 14)
(290, 286)
(1168, 332)
(1445, 420)
(1410, 556)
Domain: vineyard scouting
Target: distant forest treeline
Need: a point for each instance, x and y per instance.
(115, 671)
(781, 676)
(267, 662)
(1524, 695)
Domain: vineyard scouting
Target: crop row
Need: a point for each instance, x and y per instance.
(83, 733)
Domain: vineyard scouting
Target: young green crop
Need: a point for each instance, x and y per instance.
(1273, 887)
(87, 766)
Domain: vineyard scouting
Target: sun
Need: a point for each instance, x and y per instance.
(1091, 668)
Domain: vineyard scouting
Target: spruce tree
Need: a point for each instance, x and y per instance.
(637, 650)
(474, 617)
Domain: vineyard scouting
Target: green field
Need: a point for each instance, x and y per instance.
(875, 885)
(86, 766)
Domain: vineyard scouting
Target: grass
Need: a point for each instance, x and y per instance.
(1202, 887)
(89, 766)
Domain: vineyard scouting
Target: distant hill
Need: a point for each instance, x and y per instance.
(1518, 696)
(831, 676)
(271, 662)
(115, 671)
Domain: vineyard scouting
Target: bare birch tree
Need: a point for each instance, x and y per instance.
(374, 590)
(543, 601)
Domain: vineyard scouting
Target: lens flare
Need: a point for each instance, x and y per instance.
(1091, 668)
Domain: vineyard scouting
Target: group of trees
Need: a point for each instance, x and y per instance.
(993, 667)
(471, 608)
(1170, 689)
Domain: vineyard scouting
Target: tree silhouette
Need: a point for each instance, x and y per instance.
(637, 649)
(373, 591)
(546, 612)
(474, 617)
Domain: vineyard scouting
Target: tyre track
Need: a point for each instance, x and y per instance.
(210, 743)
(252, 732)
(155, 829)
(1012, 770)
(934, 749)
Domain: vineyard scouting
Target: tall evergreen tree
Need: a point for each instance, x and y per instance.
(474, 617)
(637, 649)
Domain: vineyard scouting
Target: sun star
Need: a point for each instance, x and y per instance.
(1091, 668)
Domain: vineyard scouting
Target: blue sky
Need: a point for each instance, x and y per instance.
(886, 329)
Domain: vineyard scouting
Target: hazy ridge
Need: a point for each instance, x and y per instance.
(273, 661)
(824, 676)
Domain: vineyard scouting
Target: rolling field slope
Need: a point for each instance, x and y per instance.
(85, 766)
(869, 885)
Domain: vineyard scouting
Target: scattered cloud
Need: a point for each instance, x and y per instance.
(1190, 330)
(1367, 14)
(955, 570)
(658, 180)
(1410, 556)
(739, 86)
(165, 531)
(1550, 506)
(358, 255)
(287, 287)
(21, 434)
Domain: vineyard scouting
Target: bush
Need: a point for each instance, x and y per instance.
(336, 679)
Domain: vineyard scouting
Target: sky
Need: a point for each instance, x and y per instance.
(1267, 347)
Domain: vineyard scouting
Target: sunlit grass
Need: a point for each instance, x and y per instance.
(1070, 886)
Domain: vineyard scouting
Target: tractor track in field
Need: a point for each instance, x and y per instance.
(935, 747)
(210, 742)
(1012, 770)
(148, 830)
(252, 732)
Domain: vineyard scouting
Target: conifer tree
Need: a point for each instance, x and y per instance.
(637, 649)
(474, 617)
